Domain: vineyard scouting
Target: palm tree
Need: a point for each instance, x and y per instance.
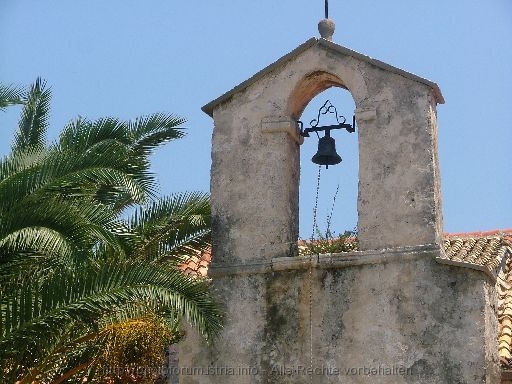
(75, 278)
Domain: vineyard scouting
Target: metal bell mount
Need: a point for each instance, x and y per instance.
(326, 153)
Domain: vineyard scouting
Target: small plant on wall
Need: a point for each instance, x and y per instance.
(346, 242)
(328, 242)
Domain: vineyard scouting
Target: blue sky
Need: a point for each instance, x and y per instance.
(129, 58)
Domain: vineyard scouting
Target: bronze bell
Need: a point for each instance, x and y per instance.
(326, 154)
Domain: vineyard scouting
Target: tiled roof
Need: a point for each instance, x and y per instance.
(492, 252)
(197, 265)
(480, 250)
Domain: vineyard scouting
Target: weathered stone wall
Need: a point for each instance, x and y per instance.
(254, 189)
(255, 174)
(376, 317)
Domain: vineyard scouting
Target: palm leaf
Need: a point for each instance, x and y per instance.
(33, 319)
(81, 134)
(34, 118)
(10, 95)
(53, 237)
(76, 175)
(176, 225)
(11, 165)
(150, 131)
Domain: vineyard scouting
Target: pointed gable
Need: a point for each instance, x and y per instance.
(328, 46)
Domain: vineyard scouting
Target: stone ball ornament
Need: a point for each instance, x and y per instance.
(326, 28)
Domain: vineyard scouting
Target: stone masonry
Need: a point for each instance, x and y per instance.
(389, 313)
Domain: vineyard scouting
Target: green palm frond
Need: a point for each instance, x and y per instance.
(75, 175)
(113, 154)
(81, 134)
(89, 181)
(150, 131)
(23, 268)
(176, 225)
(34, 118)
(54, 236)
(10, 95)
(36, 240)
(112, 292)
(108, 137)
(140, 135)
(11, 165)
(96, 353)
(81, 221)
(72, 345)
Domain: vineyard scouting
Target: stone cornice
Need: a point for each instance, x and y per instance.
(327, 261)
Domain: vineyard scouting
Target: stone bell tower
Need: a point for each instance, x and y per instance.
(388, 313)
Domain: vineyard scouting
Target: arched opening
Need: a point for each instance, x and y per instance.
(335, 210)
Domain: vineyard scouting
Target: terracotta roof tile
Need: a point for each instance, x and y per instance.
(491, 250)
(197, 265)
(481, 250)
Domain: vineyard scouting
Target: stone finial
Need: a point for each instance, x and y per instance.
(326, 28)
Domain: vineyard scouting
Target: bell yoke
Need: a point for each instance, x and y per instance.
(326, 153)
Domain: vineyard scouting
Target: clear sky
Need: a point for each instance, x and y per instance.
(129, 58)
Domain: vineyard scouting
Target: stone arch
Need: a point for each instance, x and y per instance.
(315, 82)
(302, 98)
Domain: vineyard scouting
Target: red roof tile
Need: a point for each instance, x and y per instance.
(492, 250)
(197, 265)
